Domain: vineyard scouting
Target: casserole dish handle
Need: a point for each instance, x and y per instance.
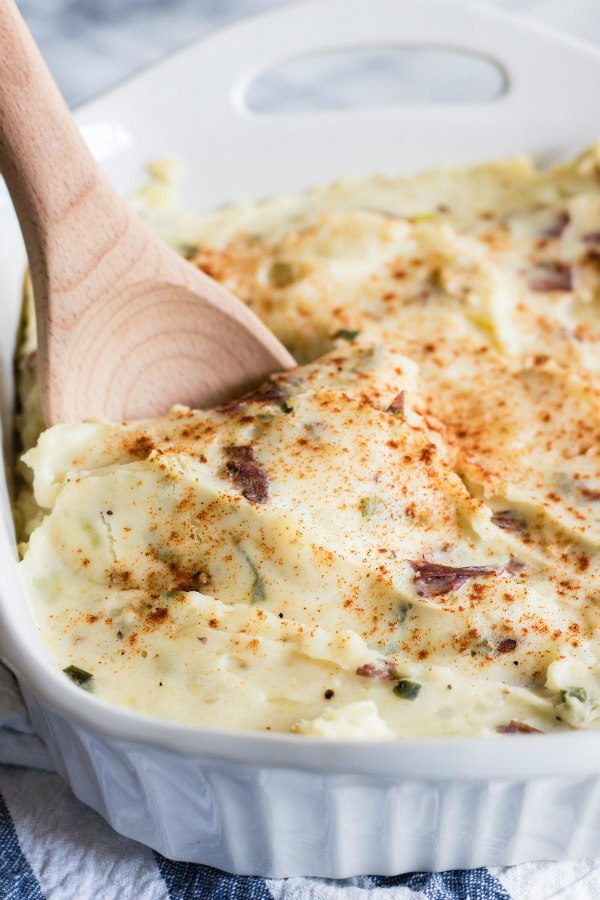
(526, 53)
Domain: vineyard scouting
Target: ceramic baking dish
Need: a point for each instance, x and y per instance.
(283, 805)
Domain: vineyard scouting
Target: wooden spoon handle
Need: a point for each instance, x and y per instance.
(44, 161)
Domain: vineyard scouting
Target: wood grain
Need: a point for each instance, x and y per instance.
(126, 328)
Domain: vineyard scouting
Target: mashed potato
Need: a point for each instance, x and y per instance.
(400, 537)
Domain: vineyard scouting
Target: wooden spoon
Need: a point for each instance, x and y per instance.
(126, 328)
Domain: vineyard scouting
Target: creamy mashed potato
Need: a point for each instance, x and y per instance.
(400, 537)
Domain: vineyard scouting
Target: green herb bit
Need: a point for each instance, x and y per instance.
(169, 595)
(79, 676)
(483, 647)
(408, 690)
(369, 506)
(188, 251)
(574, 693)
(346, 334)
(282, 273)
(258, 592)
(422, 217)
(402, 612)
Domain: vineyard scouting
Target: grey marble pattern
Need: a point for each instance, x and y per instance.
(92, 44)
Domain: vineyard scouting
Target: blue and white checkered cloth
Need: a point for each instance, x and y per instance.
(52, 847)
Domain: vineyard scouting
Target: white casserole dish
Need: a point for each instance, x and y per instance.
(283, 805)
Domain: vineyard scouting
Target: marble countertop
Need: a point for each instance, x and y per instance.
(92, 44)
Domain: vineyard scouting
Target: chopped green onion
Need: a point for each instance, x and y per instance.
(188, 251)
(408, 690)
(422, 217)
(282, 273)
(258, 592)
(402, 612)
(369, 506)
(345, 334)
(574, 693)
(483, 647)
(79, 676)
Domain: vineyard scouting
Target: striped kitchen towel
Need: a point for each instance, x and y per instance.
(52, 847)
